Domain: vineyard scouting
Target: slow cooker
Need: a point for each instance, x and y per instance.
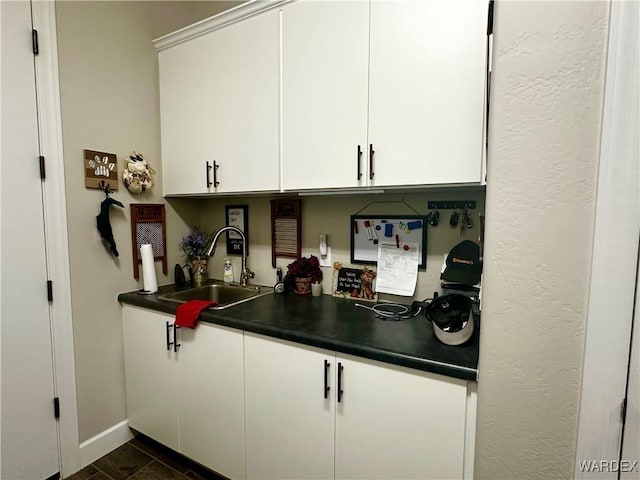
(452, 318)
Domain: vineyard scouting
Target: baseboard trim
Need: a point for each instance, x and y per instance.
(104, 442)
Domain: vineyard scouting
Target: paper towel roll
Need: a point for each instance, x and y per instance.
(149, 280)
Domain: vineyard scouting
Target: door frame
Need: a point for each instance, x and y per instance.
(615, 251)
(55, 213)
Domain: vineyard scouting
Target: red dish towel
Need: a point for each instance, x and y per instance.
(187, 314)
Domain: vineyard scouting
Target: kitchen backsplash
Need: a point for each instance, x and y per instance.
(331, 215)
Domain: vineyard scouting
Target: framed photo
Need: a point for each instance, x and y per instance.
(236, 216)
(356, 282)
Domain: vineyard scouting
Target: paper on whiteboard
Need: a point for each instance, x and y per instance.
(397, 268)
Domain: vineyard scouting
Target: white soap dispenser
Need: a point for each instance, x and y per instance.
(228, 271)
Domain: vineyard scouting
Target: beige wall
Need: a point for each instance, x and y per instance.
(109, 95)
(545, 124)
(331, 215)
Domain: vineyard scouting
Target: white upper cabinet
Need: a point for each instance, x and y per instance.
(245, 94)
(324, 94)
(401, 81)
(220, 109)
(427, 91)
(186, 109)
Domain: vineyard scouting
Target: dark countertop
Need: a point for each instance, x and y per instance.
(337, 324)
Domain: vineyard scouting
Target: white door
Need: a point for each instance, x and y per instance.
(398, 423)
(426, 91)
(324, 87)
(245, 95)
(151, 374)
(210, 387)
(29, 429)
(289, 423)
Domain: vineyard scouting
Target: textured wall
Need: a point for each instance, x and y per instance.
(544, 143)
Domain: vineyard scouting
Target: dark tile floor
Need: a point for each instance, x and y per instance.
(144, 459)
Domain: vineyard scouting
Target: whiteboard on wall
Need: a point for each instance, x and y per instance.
(368, 231)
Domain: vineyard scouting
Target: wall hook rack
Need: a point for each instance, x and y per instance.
(451, 204)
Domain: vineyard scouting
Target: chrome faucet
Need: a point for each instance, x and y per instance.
(245, 274)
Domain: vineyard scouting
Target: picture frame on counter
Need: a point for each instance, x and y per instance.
(356, 282)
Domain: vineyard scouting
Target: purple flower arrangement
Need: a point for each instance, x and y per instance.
(195, 244)
(305, 267)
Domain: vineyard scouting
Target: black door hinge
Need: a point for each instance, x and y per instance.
(623, 410)
(50, 290)
(34, 41)
(56, 408)
(43, 172)
(490, 18)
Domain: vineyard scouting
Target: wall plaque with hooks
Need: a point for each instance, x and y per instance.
(100, 170)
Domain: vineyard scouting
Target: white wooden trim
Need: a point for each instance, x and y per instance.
(50, 120)
(471, 417)
(104, 442)
(244, 10)
(615, 249)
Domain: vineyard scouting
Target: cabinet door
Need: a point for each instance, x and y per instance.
(289, 423)
(245, 104)
(427, 90)
(186, 109)
(397, 423)
(211, 397)
(150, 375)
(324, 93)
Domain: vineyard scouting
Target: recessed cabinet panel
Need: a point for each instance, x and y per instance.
(427, 90)
(324, 94)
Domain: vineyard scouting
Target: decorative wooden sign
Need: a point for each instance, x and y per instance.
(286, 235)
(148, 226)
(100, 170)
(236, 216)
(355, 282)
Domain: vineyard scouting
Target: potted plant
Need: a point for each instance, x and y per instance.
(303, 272)
(194, 248)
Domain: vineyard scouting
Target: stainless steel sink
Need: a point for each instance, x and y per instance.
(224, 294)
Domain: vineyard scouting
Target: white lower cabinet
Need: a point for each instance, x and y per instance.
(398, 423)
(289, 422)
(256, 407)
(192, 399)
(377, 421)
(150, 375)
